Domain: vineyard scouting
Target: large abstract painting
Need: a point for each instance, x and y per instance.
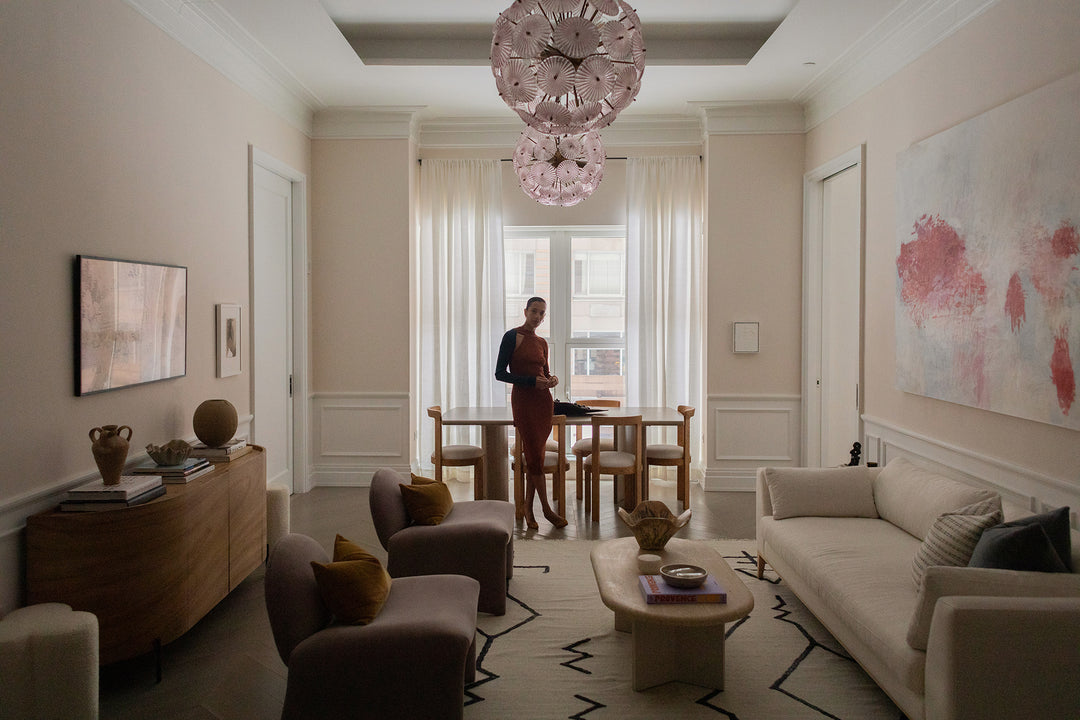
(988, 260)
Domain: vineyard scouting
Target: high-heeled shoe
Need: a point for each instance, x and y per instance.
(557, 520)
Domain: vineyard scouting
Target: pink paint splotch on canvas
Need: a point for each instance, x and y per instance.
(1062, 372)
(936, 278)
(1015, 302)
(1052, 257)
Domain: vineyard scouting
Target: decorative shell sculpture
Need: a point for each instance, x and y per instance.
(653, 524)
(173, 452)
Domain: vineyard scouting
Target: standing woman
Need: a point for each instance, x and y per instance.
(523, 362)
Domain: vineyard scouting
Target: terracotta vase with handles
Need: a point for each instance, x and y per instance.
(110, 448)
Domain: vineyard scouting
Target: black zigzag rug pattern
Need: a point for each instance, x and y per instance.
(555, 654)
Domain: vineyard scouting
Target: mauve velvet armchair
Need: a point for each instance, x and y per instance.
(476, 539)
(412, 661)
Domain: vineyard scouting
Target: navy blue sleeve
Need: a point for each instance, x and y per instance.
(502, 364)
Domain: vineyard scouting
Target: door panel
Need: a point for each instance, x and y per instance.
(272, 322)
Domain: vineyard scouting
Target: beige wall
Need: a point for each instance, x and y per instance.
(1006, 52)
(360, 265)
(114, 141)
(755, 261)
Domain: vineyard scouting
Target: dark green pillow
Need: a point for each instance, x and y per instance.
(1017, 547)
(1056, 524)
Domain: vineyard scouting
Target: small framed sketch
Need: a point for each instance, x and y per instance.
(228, 340)
(745, 337)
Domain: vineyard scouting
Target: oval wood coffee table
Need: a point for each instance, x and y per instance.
(684, 641)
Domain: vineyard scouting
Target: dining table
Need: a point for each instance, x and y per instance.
(496, 421)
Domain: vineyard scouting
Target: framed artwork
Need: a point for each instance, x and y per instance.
(130, 323)
(988, 260)
(745, 337)
(228, 340)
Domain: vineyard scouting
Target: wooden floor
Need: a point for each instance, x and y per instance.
(226, 667)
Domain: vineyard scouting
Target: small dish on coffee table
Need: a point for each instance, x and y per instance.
(682, 575)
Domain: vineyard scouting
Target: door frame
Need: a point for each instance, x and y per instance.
(812, 345)
(300, 270)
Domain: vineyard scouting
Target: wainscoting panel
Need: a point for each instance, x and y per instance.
(745, 432)
(355, 434)
(1018, 485)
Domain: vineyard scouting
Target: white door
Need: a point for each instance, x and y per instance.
(841, 315)
(272, 322)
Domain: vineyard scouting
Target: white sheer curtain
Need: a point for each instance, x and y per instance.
(459, 287)
(665, 272)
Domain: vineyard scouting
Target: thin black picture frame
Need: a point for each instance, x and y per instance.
(130, 323)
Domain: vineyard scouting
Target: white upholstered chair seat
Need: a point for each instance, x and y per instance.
(584, 446)
(460, 452)
(611, 458)
(663, 452)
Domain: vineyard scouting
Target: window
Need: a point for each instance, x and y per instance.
(581, 271)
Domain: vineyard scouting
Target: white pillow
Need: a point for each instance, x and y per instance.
(820, 492)
(912, 498)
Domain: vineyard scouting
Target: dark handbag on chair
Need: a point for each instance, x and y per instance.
(573, 409)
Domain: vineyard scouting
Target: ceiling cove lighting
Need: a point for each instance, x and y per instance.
(568, 66)
(559, 169)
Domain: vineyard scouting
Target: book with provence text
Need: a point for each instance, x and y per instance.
(129, 486)
(656, 591)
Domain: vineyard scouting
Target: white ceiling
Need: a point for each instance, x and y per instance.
(694, 56)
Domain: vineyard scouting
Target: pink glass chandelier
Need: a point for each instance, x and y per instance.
(559, 169)
(568, 66)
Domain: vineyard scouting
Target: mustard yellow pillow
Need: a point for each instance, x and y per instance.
(427, 503)
(420, 479)
(354, 586)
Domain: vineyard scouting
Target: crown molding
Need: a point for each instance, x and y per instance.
(500, 132)
(909, 31)
(751, 118)
(366, 123)
(213, 35)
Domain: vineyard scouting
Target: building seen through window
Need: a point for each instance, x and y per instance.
(582, 274)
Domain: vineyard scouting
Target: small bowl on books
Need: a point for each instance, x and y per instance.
(173, 452)
(681, 575)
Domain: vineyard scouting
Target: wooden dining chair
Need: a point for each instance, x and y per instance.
(582, 446)
(625, 463)
(678, 456)
(555, 464)
(456, 456)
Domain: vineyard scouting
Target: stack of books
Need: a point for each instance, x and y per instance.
(656, 591)
(182, 473)
(131, 490)
(231, 450)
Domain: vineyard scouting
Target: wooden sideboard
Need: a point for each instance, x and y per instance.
(150, 572)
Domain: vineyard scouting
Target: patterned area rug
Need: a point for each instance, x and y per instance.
(556, 654)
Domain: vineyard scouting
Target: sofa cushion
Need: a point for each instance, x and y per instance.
(820, 492)
(1015, 545)
(859, 569)
(953, 536)
(943, 581)
(354, 586)
(912, 498)
(427, 503)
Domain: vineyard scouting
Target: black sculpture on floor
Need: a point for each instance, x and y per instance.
(856, 451)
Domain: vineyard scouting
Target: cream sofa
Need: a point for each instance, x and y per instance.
(971, 642)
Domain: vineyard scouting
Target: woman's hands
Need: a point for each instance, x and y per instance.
(546, 383)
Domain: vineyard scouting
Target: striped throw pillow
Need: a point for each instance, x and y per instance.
(953, 536)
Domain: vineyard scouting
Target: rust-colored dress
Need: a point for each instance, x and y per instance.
(532, 406)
